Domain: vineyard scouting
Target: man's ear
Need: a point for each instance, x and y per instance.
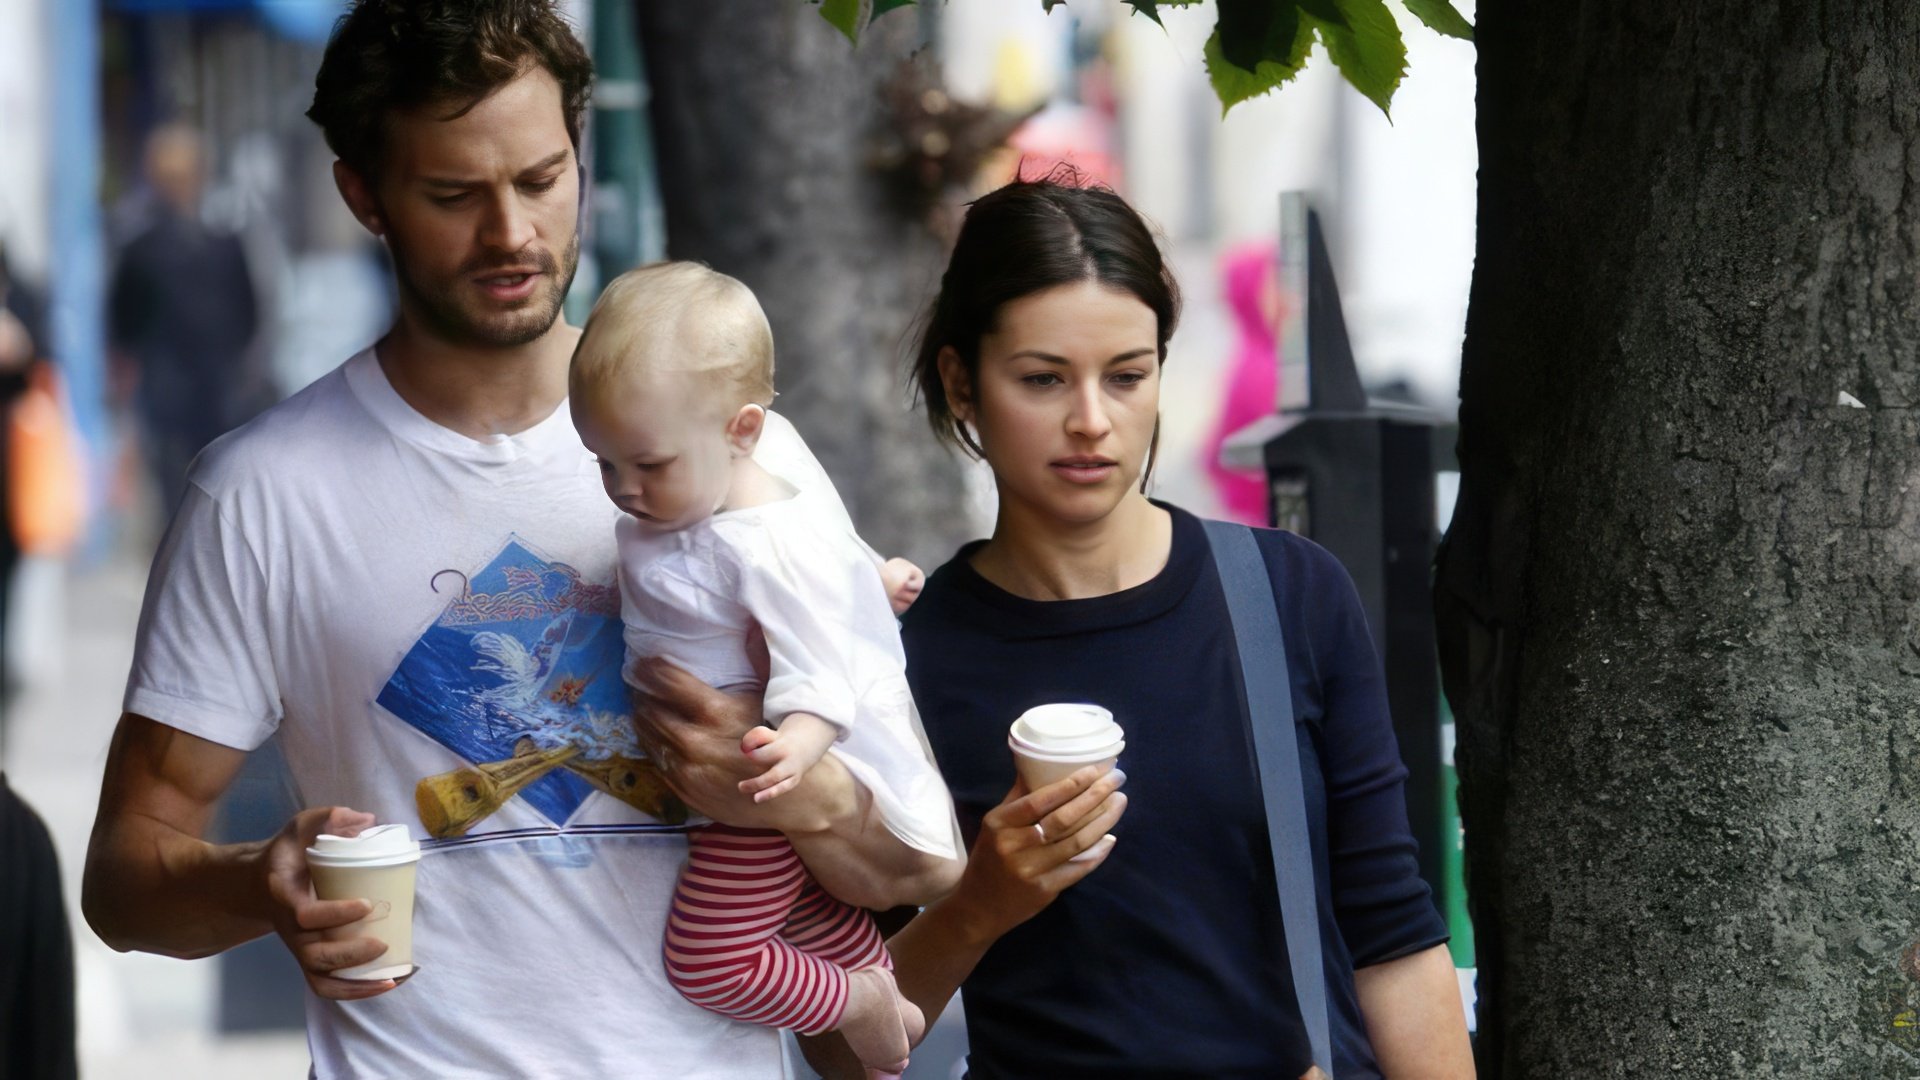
(957, 383)
(357, 193)
(743, 431)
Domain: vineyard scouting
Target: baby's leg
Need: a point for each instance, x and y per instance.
(724, 949)
(880, 1025)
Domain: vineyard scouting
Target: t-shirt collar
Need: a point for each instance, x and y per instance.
(370, 385)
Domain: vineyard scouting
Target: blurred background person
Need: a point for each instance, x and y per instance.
(22, 332)
(182, 312)
(1253, 378)
(38, 1023)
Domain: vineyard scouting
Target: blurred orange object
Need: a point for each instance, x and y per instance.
(46, 470)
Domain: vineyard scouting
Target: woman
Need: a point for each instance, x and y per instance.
(1166, 958)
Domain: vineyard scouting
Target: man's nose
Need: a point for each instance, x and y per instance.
(508, 227)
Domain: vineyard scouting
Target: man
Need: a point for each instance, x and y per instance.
(407, 569)
(181, 313)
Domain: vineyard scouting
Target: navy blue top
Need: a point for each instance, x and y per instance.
(1169, 960)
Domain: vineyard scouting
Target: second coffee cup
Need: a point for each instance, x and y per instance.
(1051, 742)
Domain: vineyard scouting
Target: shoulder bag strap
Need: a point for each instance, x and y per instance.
(1276, 751)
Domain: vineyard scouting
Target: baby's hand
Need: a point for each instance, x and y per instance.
(803, 739)
(903, 581)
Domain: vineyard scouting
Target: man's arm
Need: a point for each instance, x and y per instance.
(693, 733)
(1414, 1018)
(154, 885)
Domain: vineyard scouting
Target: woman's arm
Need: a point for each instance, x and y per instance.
(1414, 1017)
(1013, 872)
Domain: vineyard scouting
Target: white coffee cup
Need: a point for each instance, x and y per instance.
(1051, 742)
(377, 866)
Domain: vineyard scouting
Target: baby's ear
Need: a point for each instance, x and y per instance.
(743, 431)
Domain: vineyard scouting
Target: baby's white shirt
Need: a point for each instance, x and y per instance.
(797, 569)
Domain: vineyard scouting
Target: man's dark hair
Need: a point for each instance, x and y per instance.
(404, 54)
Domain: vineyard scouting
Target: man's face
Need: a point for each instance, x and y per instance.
(480, 213)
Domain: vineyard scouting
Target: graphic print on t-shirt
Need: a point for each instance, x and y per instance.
(520, 675)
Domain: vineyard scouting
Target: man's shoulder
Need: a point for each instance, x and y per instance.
(307, 430)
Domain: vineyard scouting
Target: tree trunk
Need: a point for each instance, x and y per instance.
(764, 117)
(1678, 603)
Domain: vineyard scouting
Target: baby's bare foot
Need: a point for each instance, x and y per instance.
(876, 1023)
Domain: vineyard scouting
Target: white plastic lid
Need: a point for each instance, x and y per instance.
(378, 845)
(1067, 729)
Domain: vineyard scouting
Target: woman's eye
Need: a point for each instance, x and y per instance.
(450, 201)
(1130, 378)
(541, 187)
(1041, 378)
(605, 466)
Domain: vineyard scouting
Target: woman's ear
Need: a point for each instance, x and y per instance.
(957, 383)
(743, 431)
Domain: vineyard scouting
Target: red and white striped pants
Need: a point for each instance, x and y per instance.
(754, 937)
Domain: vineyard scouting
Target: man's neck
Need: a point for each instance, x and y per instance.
(478, 392)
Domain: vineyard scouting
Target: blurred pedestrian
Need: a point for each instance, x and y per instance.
(1253, 381)
(37, 1023)
(22, 339)
(182, 312)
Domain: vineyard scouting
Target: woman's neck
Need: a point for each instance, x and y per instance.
(1041, 558)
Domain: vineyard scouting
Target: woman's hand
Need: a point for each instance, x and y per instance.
(1034, 845)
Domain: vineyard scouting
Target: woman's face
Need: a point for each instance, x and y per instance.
(1065, 399)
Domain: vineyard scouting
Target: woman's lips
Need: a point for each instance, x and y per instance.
(1084, 470)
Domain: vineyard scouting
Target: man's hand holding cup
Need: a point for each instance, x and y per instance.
(321, 934)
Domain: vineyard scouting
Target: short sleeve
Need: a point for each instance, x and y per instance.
(201, 659)
(1384, 907)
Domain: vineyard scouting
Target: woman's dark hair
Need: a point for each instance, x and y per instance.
(401, 54)
(1026, 237)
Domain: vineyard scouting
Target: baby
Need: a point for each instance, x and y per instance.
(669, 389)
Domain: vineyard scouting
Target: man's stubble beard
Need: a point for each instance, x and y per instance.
(443, 315)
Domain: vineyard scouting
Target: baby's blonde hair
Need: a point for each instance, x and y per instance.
(681, 317)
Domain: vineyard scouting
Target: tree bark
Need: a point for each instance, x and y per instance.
(764, 116)
(1678, 601)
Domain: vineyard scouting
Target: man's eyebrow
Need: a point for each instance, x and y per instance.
(1052, 359)
(548, 162)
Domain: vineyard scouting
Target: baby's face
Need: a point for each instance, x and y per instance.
(662, 446)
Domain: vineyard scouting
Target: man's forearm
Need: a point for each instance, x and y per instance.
(150, 888)
(850, 851)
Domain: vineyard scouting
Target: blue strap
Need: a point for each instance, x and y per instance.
(1276, 753)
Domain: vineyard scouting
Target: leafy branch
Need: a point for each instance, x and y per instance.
(1259, 46)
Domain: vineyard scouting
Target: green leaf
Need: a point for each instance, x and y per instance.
(881, 7)
(1151, 8)
(1368, 50)
(845, 15)
(1441, 15)
(1049, 5)
(1234, 84)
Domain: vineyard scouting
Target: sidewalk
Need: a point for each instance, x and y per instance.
(140, 1015)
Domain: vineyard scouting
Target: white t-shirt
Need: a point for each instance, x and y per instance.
(401, 601)
(796, 568)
